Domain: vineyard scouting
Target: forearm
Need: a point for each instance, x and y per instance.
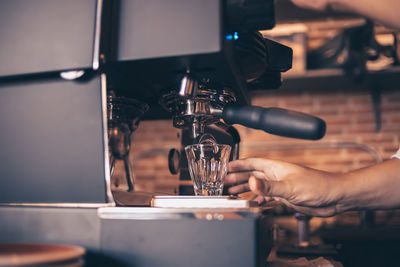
(385, 12)
(375, 187)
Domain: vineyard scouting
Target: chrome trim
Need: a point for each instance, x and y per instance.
(60, 205)
(145, 213)
(128, 213)
(107, 175)
(97, 32)
(188, 86)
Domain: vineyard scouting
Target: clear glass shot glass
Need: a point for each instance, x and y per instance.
(208, 165)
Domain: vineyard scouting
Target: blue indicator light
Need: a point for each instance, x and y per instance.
(233, 36)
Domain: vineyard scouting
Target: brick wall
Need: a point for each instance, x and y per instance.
(351, 141)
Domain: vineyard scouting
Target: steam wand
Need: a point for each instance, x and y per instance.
(120, 143)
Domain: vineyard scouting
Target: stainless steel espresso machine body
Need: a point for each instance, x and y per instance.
(77, 76)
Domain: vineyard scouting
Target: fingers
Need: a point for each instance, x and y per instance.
(242, 177)
(271, 169)
(256, 186)
(268, 188)
(267, 198)
(312, 4)
(249, 164)
(239, 189)
(313, 211)
(236, 178)
(260, 199)
(265, 177)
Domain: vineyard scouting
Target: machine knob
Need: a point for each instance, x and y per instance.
(173, 161)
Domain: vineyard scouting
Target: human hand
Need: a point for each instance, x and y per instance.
(320, 5)
(307, 190)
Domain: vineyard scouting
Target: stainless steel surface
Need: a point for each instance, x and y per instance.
(196, 112)
(123, 116)
(44, 36)
(97, 34)
(303, 229)
(52, 142)
(188, 86)
(198, 238)
(157, 29)
(60, 205)
(147, 237)
(107, 169)
(50, 225)
(128, 213)
(109, 198)
(139, 213)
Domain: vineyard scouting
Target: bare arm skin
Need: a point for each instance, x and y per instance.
(375, 187)
(316, 192)
(385, 12)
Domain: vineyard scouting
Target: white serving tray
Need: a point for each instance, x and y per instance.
(201, 202)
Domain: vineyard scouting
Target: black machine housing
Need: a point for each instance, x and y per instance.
(153, 44)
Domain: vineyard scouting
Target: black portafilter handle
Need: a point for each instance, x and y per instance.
(276, 121)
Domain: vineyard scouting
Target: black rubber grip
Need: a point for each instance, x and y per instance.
(276, 121)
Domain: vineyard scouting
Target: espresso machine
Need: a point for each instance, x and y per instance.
(76, 79)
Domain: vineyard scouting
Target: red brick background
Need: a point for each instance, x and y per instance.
(350, 124)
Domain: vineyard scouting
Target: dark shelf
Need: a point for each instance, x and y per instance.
(332, 79)
(285, 12)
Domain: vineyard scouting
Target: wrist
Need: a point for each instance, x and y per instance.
(341, 188)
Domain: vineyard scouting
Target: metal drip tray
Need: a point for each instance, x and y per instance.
(131, 213)
(146, 237)
(234, 237)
